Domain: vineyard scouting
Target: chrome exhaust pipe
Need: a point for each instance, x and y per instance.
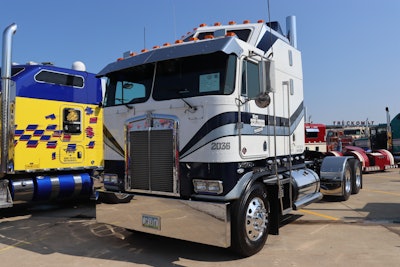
(5, 97)
(291, 30)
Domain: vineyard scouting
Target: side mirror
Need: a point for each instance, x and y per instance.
(269, 76)
(263, 100)
(267, 83)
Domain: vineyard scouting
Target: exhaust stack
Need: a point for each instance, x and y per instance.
(291, 30)
(389, 144)
(5, 97)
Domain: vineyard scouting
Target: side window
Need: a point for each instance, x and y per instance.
(311, 133)
(250, 79)
(65, 79)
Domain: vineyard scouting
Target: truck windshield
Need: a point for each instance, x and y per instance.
(129, 86)
(209, 74)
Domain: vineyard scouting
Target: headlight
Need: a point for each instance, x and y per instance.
(208, 186)
(110, 178)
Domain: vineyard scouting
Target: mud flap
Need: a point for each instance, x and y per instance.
(275, 214)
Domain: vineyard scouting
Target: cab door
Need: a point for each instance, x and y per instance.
(254, 139)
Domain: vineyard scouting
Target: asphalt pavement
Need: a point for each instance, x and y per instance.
(363, 231)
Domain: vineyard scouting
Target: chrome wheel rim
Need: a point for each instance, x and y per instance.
(256, 219)
(347, 181)
(358, 177)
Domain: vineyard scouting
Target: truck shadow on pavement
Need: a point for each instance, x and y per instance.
(373, 213)
(154, 250)
(382, 213)
(73, 230)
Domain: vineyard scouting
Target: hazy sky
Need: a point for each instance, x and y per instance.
(350, 48)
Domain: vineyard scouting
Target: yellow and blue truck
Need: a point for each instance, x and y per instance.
(51, 130)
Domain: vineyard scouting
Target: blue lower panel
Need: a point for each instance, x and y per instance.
(62, 186)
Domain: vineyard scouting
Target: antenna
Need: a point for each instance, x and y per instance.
(270, 30)
(144, 37)
(174, 17)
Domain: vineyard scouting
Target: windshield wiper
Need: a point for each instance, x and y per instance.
(191, 108)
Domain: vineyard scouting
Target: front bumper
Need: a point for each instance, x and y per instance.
(196, 221)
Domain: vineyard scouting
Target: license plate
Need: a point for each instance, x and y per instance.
(153, 222)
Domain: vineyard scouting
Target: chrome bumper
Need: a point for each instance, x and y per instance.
(196, 221)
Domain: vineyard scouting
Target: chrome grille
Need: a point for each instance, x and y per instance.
(152, 160)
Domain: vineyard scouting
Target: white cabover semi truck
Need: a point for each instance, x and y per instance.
(205, 138)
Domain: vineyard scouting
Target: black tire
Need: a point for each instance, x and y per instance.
(250, 221)
(115, 198)
(356, 177)
(346, 182)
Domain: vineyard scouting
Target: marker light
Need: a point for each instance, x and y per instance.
(246, 21)
(232, 22)
(217, 24)
(260, 21)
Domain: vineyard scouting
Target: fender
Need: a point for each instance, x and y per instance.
(332, 169)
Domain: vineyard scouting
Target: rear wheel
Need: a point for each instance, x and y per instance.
(346, 181)
(356, 180)
(250, 221)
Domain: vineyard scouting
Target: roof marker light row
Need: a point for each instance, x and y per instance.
(180, 41)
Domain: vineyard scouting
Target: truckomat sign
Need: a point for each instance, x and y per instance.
(353, 123)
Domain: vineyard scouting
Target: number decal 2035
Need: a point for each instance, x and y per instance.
(220, 146)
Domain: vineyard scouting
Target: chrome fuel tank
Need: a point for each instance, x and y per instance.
(306, 186)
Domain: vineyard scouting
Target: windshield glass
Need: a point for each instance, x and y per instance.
(210, 74)
(129, 86)
(352, 132)
(193, 76)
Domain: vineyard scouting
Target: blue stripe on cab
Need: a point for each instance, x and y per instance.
(27, 86)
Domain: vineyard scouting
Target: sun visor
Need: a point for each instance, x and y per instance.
(228, 45)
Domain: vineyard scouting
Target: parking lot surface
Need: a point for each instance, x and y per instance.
(363, 231)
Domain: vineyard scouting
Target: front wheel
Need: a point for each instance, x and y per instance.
(250, 221)
(115, 198)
